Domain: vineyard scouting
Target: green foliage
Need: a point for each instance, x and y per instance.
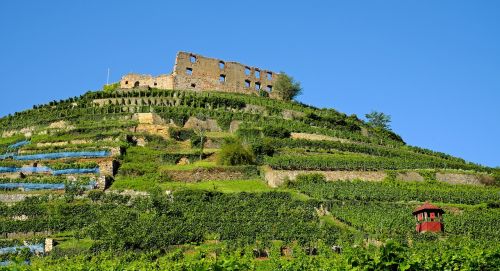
(195, 214)
(378, 120)
(358, 162)
(286, 87)
(398, 191)
(111, 88)
(181, 134)
(277, 132)
(96, 195)
(234, 153)
(312, 178)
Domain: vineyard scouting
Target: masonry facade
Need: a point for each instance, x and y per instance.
(199, 73)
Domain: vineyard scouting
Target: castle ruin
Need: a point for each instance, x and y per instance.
(199, 73)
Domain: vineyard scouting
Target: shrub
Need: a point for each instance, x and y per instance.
(234, 153)
(311, 178)
(96, 195)
(111, 88)
(180, 134)
(263, 147)
(278, 132)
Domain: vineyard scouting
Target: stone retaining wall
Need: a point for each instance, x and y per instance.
(276, 178)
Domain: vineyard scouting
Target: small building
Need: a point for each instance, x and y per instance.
(429, 218)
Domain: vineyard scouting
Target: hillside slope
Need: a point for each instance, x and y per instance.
(201, 175)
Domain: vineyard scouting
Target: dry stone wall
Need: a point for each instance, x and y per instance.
(275, 178)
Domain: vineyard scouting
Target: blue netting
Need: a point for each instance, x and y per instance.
(35, 169)
(75, 171)
(33, 186)
(43, 186)
(9, 169)
(58, 155)
(7, 155)
(18, 144)
(49, 170)
(36, 248)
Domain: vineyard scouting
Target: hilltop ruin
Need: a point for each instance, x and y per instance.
(195, 72)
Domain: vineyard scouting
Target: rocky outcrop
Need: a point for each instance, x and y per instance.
(208, 125)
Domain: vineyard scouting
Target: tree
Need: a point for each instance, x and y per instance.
(286, 87)
(200, 132)
(379, 120)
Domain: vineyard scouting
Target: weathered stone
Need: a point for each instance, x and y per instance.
(12, 198)
(316, 137)
(208, 125)
(234, 126)
(255, 109)
(183, 161)
(150, 123)
(292, 114)
(49, 245)
(460, 178)
(141, 141)
(148, 118)
(199, 73)
(275, 178)
(409, 176)
(103, 182)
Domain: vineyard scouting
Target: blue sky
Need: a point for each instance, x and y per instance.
(434, 66)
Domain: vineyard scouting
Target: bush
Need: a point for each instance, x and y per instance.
(180, 134)
(111, 88)
(278, 132)
(263, 147)
(311, 178)
(234, 153)
(96, 195)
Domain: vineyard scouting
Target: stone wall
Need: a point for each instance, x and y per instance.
(12, 198)
(132, 80)
(275, 178)
(316, 137)
(152, 124)
(461, 178)
(199, 73)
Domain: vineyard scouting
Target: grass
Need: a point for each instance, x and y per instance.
(237, 186)
(219, 134)
(194, 165)
(73, 243)
(142, 184)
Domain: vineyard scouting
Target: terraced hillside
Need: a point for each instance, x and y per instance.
(164, 179)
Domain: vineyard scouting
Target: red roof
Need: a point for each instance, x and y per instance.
(427, 206)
